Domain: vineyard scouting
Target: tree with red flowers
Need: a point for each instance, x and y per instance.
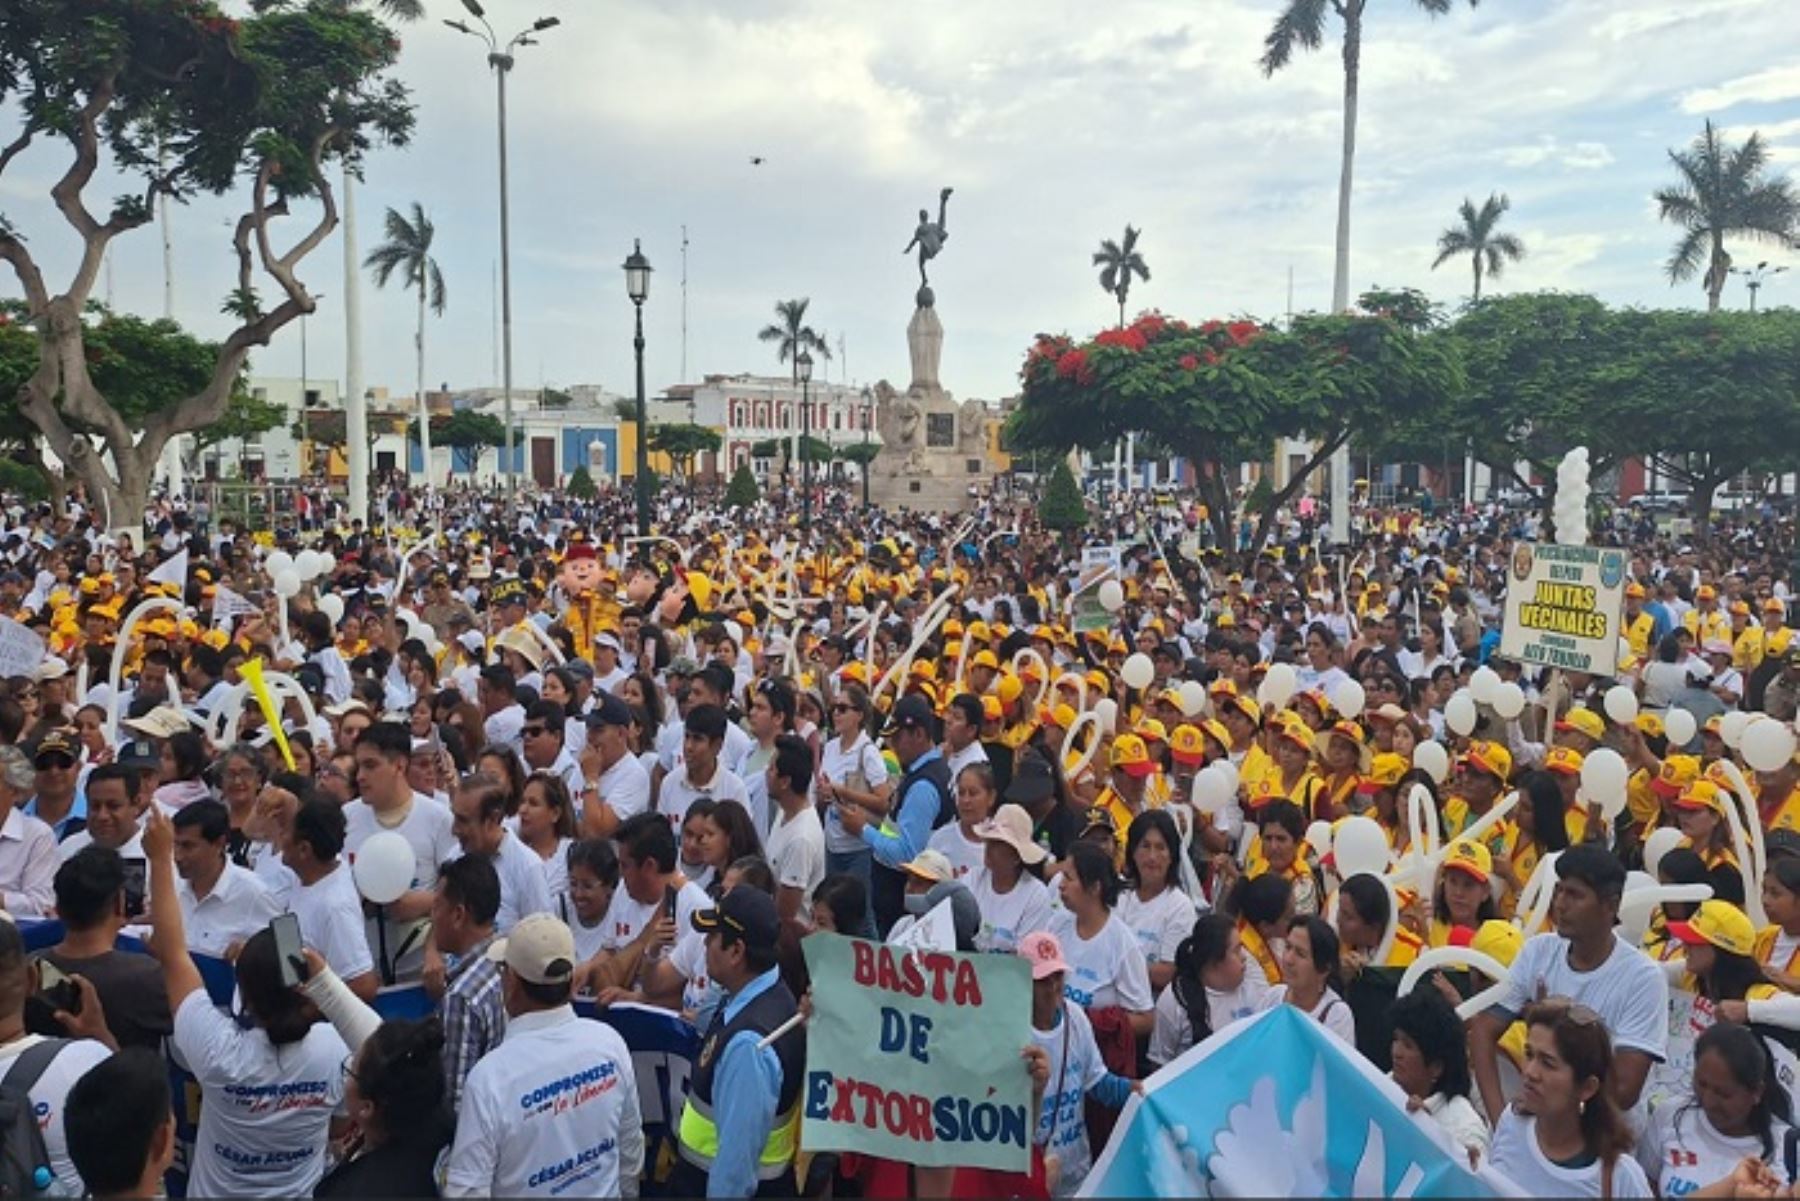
(1220, 393)
(181, 99)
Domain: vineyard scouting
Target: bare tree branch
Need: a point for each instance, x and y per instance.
(37, 296)
(68, 189)
(17, 147)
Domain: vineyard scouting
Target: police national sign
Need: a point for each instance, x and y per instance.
(1564, 607)
(915, 1055)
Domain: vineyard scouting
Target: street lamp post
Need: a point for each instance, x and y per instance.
(305, 406)
(502, 62)
(637, 286)
(803, 365)
(1755, 277)
(868, 399)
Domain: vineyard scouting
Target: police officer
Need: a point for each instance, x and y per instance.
(751, 1152)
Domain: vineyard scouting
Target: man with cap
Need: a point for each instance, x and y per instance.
(1781, 698)
(57, 799)
(755, 1087)
(923, 804)
(553, 1110)
(615, 785)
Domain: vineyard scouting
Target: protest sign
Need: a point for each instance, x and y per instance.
(942, 1083)
(1564, 606)
(21, 650)
(1276, 1106)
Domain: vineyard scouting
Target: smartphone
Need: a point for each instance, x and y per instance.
(286, 929)
(137, 887)
(669, 896)
(57, 990)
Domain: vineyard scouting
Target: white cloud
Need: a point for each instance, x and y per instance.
(1580, 155)
(1776, 83)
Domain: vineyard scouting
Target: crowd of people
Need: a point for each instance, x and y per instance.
(644, 770)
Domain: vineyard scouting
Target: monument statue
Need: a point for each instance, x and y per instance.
(930, 239)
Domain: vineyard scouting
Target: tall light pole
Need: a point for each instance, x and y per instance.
(305, 407)
(502, 62)
(1755, 277)
(637, 287)
(803, 367)
(357, 444)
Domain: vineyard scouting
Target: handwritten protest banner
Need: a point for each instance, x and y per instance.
(1564, 606)
(914, 1056)
(21, 650)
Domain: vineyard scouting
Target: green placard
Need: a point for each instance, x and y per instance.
(915, 1056)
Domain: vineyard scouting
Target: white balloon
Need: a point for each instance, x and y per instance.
(1432, 759)
(1509, 700)
(1731, 728)
(1212, 789)
(1459, 712)
(287, 583)
(384, 866)
(1603, 777)
(1138, 671)
(1621, 704)
(1318, 837)
(1106, 710)
(327, 562)
(1483, 684)
(277, 562)
(332, 606)
(1662, 840)
(1359, 846)
(307, 564)
(1679, 725)
(1347, 698)
(1768, 744)
(1193, 698)
(1228, 769)
(1278, 685)
(1112, 595)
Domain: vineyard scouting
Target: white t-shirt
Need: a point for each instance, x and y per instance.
(796, 848)
(556, 877)
(523, 887)
(1062, 1123)
(1159, 923)
(864, 759)
(966, 855)
(238, 906)
(1007, 917)
(1628, 991)
(265, 1111)
(1516, 1155)
(678, 792)
(1105, 970)
(48, 1098)
(1330, 1011)
(1173, 1033)
(552, 1112)
(625, 787)
(331, 922)
(589, 940)
(626, 918)
(973, 753)
(1683, 1151)
(426, 828)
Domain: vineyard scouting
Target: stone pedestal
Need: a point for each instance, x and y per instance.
(932, 448)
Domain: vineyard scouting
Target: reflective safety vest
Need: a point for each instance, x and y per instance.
(699, 1131)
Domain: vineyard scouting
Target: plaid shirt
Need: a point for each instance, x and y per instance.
(474, 1015)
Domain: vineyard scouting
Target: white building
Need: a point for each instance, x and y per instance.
(748, 409)
(273, 454)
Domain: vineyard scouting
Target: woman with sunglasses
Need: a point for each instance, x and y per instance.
(851, 771)
(1564, 1136)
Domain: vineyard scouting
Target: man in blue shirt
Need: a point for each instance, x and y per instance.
(922, 806)
(750, 1150)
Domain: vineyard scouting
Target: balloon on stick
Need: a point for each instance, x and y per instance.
(1509, 700)
(1460, 714)
(1277, 686)
(1112, 596)
(1432, 759)
(1348, 698)
(1678, 724)
(1138, 671)
(1483, 683)
(1621, 704)
(1767, 744)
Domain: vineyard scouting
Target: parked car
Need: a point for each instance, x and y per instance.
(1659, 502)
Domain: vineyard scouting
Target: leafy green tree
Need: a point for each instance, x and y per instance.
(1062, 508)
(683, 444)
(790, 335)
(181, 99)
(581, 484)
(860, 453)
(1118, 262)
(467, 433)
(1301, 26)
(625, 410)
(742, 492)
(408, 251)
(1725, 192)
(1488, 251)
(815, 450)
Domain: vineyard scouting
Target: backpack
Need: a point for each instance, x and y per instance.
(24, 1160)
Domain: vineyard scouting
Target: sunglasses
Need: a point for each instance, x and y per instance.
(532, 731)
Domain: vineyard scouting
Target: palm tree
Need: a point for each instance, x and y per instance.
(1476, 238)
(1302, 25)
(791, 335)
(408, 251)
(1118, 262)
(1724, 192)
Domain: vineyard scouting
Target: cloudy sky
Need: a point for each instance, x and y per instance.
(1057, 121)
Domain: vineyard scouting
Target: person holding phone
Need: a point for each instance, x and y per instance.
(91, 901)
(268, 1091)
